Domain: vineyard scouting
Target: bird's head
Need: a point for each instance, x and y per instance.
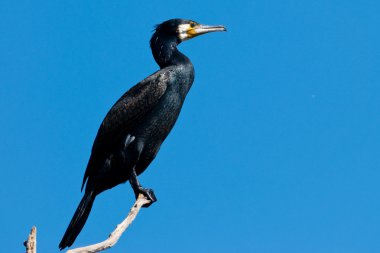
(183, 29)
(172, 32)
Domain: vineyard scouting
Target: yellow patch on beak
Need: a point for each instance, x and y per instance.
(188, 31)
(183, 32)
(192, 32)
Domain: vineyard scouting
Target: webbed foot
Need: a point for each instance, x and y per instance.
(148, 193)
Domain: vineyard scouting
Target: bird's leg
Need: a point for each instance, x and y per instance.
(137, 188)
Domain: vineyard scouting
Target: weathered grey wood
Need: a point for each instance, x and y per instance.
(115, 235)
(31, 243)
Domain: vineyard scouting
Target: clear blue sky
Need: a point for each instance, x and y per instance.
(277, 148)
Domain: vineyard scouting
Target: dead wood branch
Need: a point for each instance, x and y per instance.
(31, 243)
(115, 235)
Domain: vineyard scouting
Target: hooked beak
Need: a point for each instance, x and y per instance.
(187, 31)
(202, 29)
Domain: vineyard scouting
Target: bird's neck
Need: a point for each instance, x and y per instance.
(165, 51)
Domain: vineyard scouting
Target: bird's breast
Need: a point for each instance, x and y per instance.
(155, 127)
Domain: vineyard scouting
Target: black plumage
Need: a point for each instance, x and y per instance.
(133, 130)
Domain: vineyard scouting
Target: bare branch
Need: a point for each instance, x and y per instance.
(31, 243)
(115, 235)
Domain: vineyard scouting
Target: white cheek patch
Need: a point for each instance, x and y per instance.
(182, 31)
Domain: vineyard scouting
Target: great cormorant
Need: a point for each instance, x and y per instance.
(133, 130)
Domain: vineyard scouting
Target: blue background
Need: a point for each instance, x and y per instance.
(276, 149)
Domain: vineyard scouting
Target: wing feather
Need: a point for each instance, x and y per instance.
(133, 105)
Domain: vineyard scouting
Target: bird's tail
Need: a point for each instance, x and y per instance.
(78, 220)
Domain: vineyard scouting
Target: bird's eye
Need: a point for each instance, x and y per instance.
(192, 25)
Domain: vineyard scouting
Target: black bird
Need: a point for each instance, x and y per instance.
(132, 132)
